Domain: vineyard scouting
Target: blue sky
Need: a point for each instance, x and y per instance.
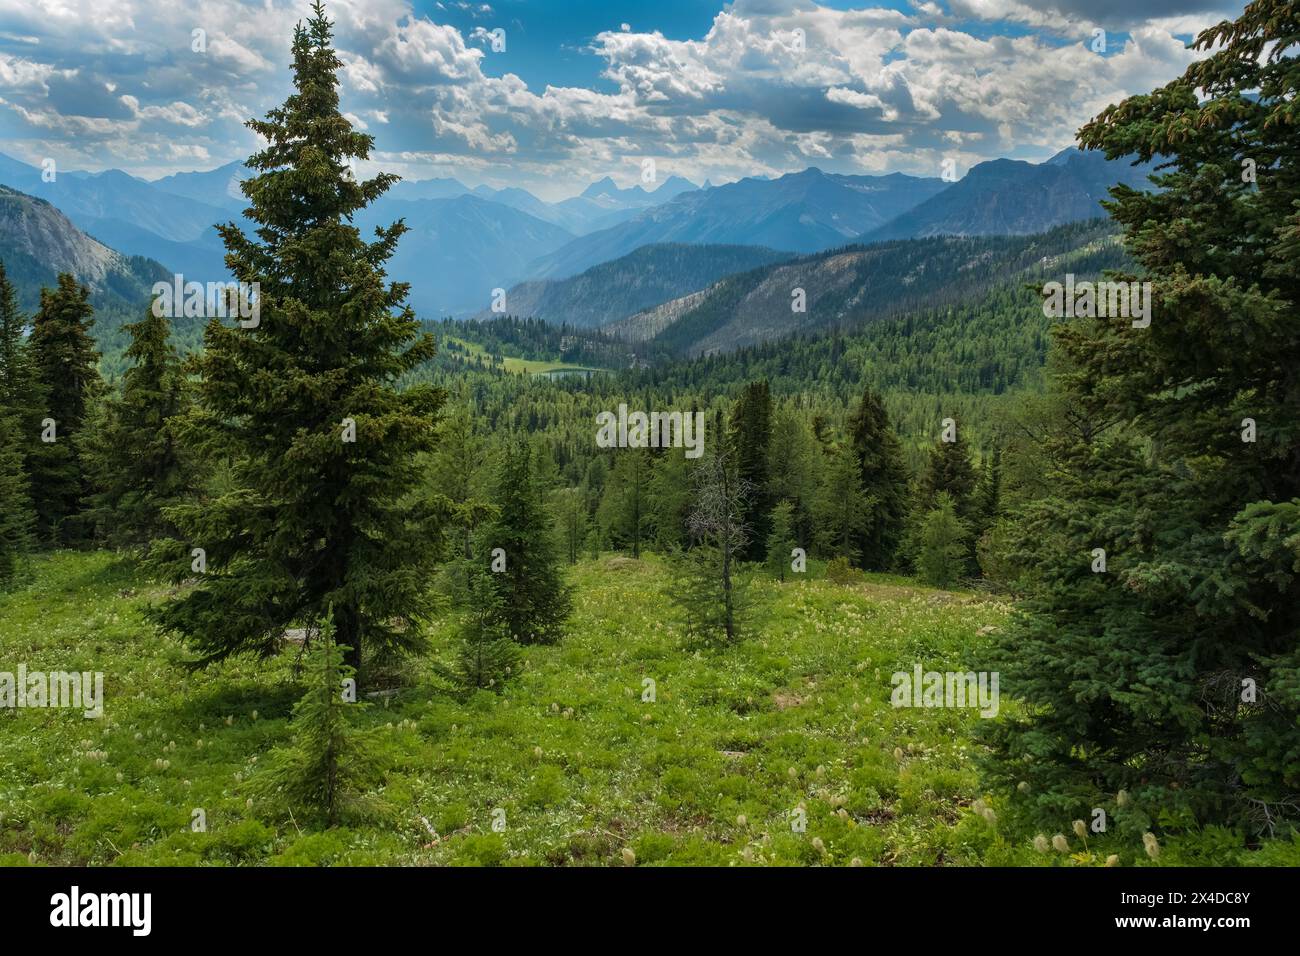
(585, 88)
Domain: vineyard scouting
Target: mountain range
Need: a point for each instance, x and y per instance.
(664, 245)
(645, 277)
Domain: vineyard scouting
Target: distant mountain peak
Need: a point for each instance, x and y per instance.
(605, 186)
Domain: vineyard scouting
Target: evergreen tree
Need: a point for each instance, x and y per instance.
(18, 384)
(454, 486)
(795, 467)
(670, 499)
(624, 512)
(131, 448)
(942, 552)
(64, 358)
(883, 476)
(525, 593)
(570, 506)
(987, 503)
(781, 539)
(486, 657)
(949, 470)
(18, 404)
(16, 514)
(325, 449)
(751, 437)
(845, 510)
(707, 589)
(324, 768)
(1172, 672)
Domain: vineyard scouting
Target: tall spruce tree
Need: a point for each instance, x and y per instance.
(1172, 672)
(624, 511)
(131, 448)
(18, 404)
(325, 449)
(670, 499)
(17, 516)
(942, 543)
(844, 509)
(781, 540)
(751, 437)
(795, 467)
(18, 385)
(525, 591)
(884, 481)
(65, 363)
(949, 470)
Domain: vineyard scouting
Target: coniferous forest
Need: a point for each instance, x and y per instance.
(836, 553)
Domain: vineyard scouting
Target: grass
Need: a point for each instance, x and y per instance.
(519, 366)
(570, 758)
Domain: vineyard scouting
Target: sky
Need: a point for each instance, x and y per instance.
(579, 89)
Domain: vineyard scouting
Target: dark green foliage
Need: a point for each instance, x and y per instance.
(325, 766)
(16, 514)
(486, 656)
(525, 594)
(781, 540)
(132, 449)
(1140, 677)
(942, 543)
(950, 471)
(18, 403)
(571, 520)
(883, 481)
(795, 469)
(624, 512)
(18, 385)
(986, 506)
(310, 519)
(670, 499)
(844, 510)
(64, 358)
(751, 437)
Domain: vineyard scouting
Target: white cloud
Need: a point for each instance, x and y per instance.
(770, 86)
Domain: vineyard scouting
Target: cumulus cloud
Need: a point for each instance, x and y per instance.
(770, 86)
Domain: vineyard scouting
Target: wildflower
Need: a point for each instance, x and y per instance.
(1060, 843)
(1040, 843)
(1080, 830)
(629, 858)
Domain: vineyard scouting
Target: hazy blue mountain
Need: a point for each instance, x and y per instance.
(643, 278)
(216, 187)
(89, 198)
(1011, 197)
(446, 188)
(458, 250)
(801, 212)
(847, 286)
